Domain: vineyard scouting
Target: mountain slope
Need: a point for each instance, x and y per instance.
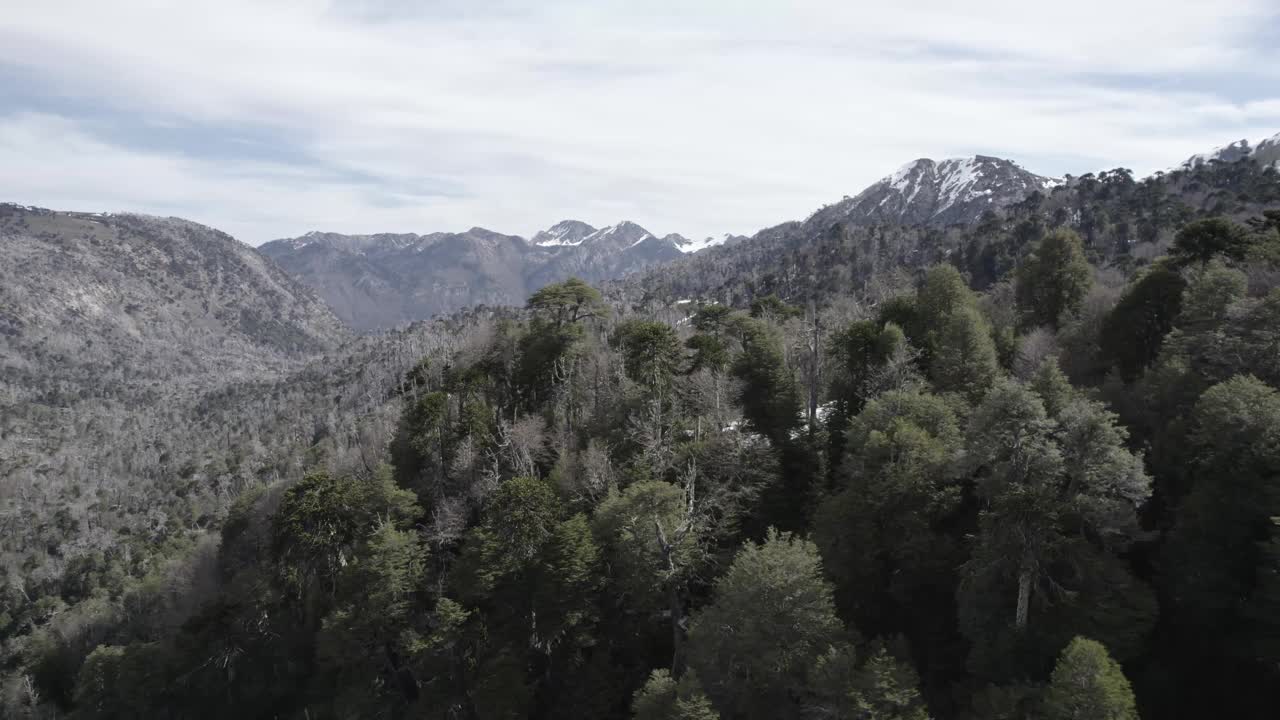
(139, 296)
(381, 281)
(1265, 153)
(1121, 220)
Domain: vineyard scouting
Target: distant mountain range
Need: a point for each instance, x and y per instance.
(380, 281)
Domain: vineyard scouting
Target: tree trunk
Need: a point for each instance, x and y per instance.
(1024, 598)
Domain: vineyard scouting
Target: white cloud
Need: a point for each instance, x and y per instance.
(697, 118)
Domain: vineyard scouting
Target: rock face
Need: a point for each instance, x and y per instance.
(928, 192)
(375, 282)
(130, 298)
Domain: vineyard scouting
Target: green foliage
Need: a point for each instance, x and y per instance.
(771, 307)
(1053, 280)
(651, 538)
(769, 398)
(1052, 387)
(122, 682)
(709, 353)
(881, 688)
(1087, 683)
(860, 350)
(964, 356)
(1203, 240)
(1210, 295)
(323, 517)
(1134, 331)
(650, 352)
(772, 619)
(1060, 497)
(662, 698)
(898, 482)
(567, 302)
(1214, 553)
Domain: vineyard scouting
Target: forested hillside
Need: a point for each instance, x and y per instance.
(1124, 223)
(1023, 469)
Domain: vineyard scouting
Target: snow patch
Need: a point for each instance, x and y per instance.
(694, 246)
(643, 237)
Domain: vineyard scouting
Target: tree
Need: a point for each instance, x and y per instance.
(568, 302)
(654, 531)
(880, 688)
(878, 532)
(1210, 295)
(860, 350)
(1135, 329)
(1053, 280)
(1203, 240)
(1087, 683)
(367, 643)
(650, 352)
(771, 307)
(322, 518)
(663, 698)
(964, 356)
(524, 559)
(1216, 546)
(1060, 498)
(769, 398)
(772, 619)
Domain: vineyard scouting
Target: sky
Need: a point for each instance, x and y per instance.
(270, 119)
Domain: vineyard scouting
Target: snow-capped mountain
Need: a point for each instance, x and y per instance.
(565, 232)
(929, 192)
(1264, 153)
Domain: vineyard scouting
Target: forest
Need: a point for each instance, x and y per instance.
(1030, 472)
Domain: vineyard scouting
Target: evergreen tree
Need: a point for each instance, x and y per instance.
(1053, 280)
(964, 356)
(1060, 500)
(1087, 683)
(772, 618)
(879, 534)
(1135, 329)
(1203, 240)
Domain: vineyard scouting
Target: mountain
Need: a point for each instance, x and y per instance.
(117, 334)
(381, 281)
(936, 193)
(1265, 153)
(137, 297)
(1121, 219)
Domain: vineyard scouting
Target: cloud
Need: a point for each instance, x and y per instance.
(268, 119)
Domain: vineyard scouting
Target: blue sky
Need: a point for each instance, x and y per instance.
(269, 119)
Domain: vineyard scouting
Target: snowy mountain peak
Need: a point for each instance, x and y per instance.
(925, 191)
(565, 232)
(1229, 153)
(1266, 152)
